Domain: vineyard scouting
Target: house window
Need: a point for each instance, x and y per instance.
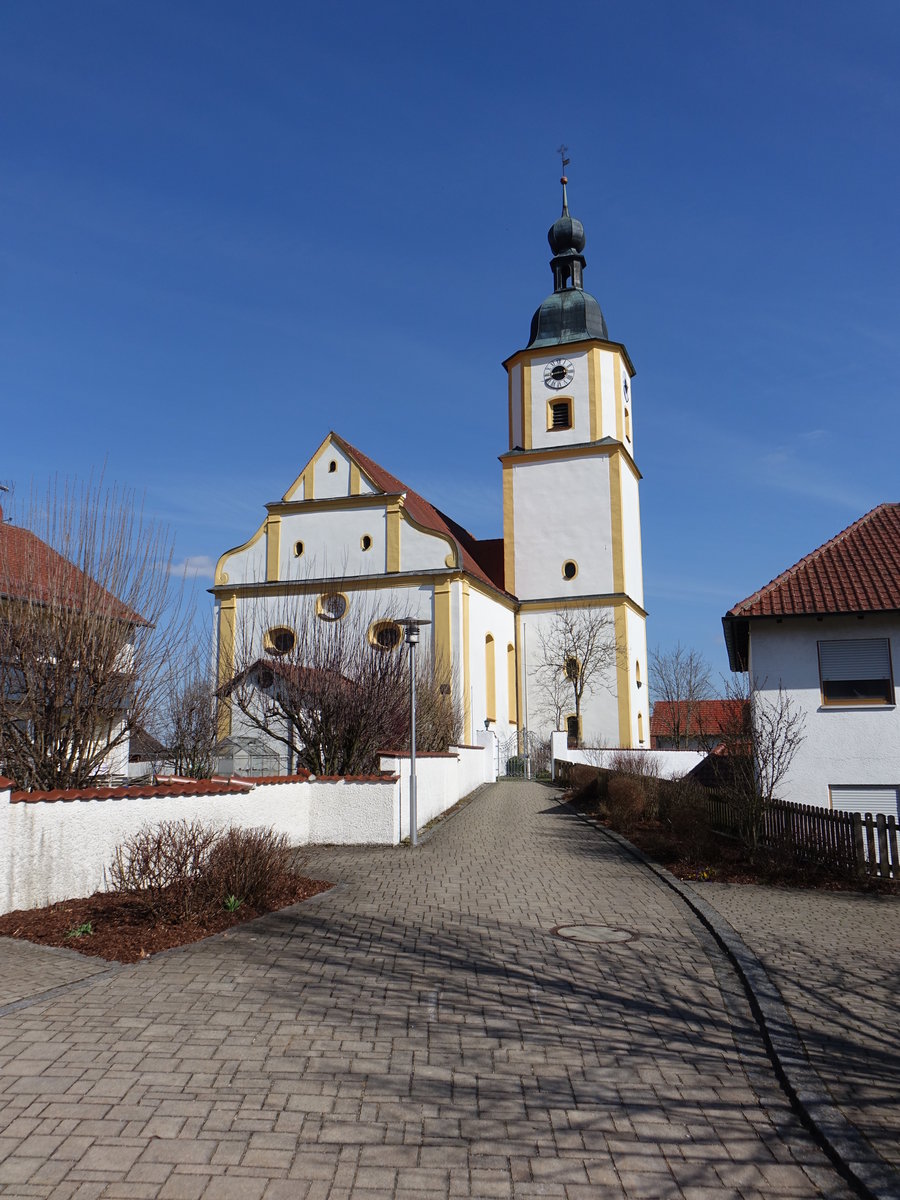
(332, 606)
(559, 413)
(570, 569)
(385, 635)
(280, 640)
(856, 671)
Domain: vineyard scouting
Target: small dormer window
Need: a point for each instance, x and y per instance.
(559, 413)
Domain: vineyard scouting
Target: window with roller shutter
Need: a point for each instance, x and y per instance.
(856, 671)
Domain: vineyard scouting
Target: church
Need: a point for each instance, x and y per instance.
(347, 534)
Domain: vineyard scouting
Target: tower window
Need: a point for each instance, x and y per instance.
(559, 413)
(366, 542)
(570, 569)
(298, 549)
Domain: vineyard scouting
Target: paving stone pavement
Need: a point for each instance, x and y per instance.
(418, 1031)
(835, 958)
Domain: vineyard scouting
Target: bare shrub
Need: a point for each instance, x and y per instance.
(683, 807)
(162, 866)
(643, 769)
(250, 865)
(585, 783)
(625, 802)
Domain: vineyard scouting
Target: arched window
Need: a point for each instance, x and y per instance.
(641, 728)
(490, 679)
(512, 711)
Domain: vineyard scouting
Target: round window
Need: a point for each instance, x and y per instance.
(332, 606)
(298, 549)
(570, 569)
(386, 635)
(280, 640)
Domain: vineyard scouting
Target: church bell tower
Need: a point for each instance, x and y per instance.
(571, 515)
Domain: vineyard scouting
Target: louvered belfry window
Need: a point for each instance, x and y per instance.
(856, 671)
(561, 414)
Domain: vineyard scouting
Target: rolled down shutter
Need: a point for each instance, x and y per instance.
(855, 658)
(874, 800)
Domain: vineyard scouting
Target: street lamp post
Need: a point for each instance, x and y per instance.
(412, 625)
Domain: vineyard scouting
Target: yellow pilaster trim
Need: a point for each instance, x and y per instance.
(443, 632)
(509, 544)
(393, 535)
(616, 522)
(490, 678)
(623, 689)
(526, 405)
(509, 388)
(273, 548)
(309, 487)
(620, 426)
(512, 707)
(467, 666)
(354, 479)
(595, 393)
(225, 664)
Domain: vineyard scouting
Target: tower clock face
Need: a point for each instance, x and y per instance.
(559, 373)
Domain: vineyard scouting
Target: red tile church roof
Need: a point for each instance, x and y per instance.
(479, 558)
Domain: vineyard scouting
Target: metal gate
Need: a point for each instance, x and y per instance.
(521, 756)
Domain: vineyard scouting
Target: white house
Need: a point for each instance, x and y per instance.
(349, 536)
(828, 630)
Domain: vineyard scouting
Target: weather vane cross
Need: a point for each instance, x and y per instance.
(562, 151)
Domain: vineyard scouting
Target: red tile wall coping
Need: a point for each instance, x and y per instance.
(192, 787)
(257, 779)
(463, 746)
(383, 778)
(6, 783)
(421, 753)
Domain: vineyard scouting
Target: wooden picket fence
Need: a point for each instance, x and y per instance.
(852, 843)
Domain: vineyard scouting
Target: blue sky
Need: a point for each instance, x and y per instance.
(228, 228)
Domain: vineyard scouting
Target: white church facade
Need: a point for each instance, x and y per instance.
(349, 537)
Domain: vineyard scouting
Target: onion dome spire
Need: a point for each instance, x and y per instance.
(570, 314)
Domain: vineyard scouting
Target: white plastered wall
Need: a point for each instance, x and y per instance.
(631, 535)
(849, 746)
(578, 391)
(332, 542)
(489, 616)
(599, 708)
(562, 511)
(639, 697)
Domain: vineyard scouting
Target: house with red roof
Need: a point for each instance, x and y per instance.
(37, 662)
(694, 724)
(352, 542)
(827, 630)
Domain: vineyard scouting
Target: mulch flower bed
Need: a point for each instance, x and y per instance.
(725, 860)
(120, 928)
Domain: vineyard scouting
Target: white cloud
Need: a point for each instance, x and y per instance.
(195, 566)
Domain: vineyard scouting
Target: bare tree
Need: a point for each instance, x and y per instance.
(576, 655)
(330, 683)
(190, 712)
(87, 623)
(680, 678)
(764, 730)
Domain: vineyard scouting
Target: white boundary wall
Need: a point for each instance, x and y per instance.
(670, 764)
(59, 847)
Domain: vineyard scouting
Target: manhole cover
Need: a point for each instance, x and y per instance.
(598, 934)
